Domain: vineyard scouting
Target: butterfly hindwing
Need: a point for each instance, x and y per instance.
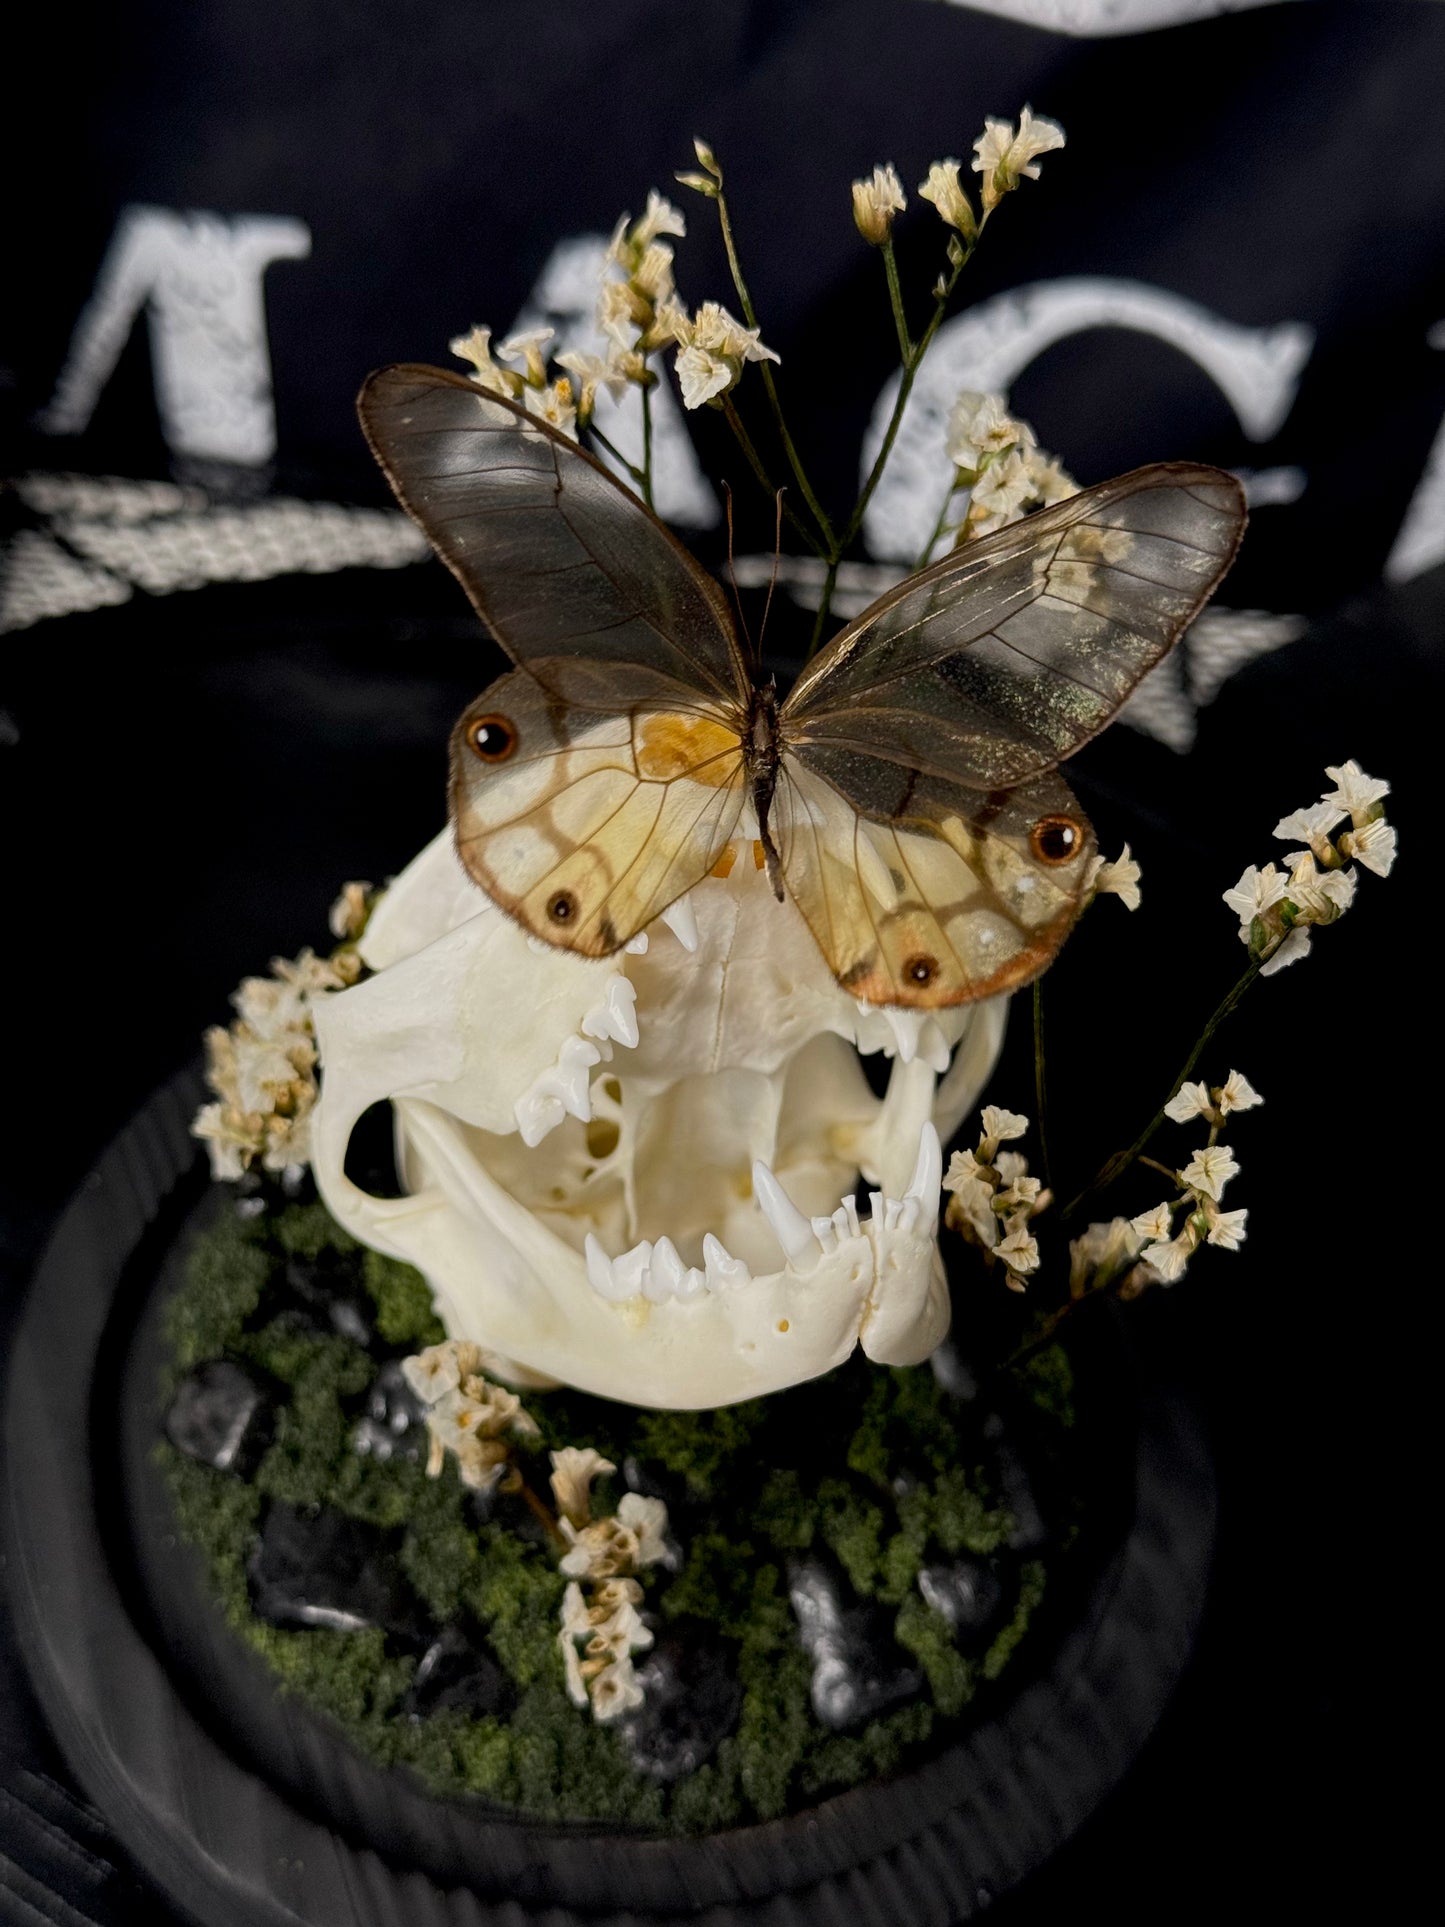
(583, 825)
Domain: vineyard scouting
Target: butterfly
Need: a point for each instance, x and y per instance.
(905, 794)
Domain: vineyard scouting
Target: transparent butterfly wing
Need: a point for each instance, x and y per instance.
(593, 824)
(1003, 659)
(623, 778)
(919, 750)
(580, 583)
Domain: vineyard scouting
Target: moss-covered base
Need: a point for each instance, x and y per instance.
(870, 1474)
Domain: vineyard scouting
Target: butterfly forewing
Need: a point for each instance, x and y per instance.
(562, 564)
(1000, 661)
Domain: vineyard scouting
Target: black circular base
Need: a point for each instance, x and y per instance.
(247, 1809)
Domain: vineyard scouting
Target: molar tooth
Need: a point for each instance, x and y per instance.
(616, 1016)
(664, 1274)
(681, 921)
(723, 1270)
(791, 1229)
(600, 1273)
(691, 1284)
(630, 1268)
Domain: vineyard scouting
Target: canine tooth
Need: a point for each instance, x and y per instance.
(664, 1274)
(790, 1227)
(826, 1231)
(629, 1269)
(681, 921)
(616, 1016)
(600, 1273)
(636, 946)
(723, 1270)
(927, 1179)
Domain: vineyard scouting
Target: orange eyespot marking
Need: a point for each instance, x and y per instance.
(759, 854)
(783, 1325)
(492, 738)
(1056, 839)
(562, 907)
(724, 865)
(694, 746)
(921, 970)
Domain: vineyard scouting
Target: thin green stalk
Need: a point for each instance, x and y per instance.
(1041, 1088)
(1110, 1172)
(925, 554)
(647, 445)
(895, 296)
(755, 463)
(615, 452)
(770, 386)
(815, 640)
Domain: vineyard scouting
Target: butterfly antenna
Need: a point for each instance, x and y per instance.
(733, 577)
(773, 578)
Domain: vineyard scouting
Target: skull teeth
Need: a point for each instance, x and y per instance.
(656, 1271)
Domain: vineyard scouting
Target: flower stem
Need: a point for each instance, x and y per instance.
(926, 552)
(1110, 1172)
(616, 453)
(895, 296)
(755, 463)
(647, 445)
(770, 386)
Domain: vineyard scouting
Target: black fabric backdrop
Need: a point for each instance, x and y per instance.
(187, 775)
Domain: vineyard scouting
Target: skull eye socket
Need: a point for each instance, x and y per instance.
(562, 907)
(492, 738)
(1056, 839)
(921, 970)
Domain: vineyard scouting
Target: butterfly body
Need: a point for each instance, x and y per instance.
(904, 795)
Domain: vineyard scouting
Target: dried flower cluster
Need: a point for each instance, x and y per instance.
(1277, 907)
(996, 458)
(263, 1068)
(601, 1626)
(993, 1199)
(1166, 1252)
(468, 1416)
(1002, 156)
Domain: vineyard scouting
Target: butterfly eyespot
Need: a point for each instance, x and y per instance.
(562, 907)
(921, 970)
(492, 738)
(1056, 839)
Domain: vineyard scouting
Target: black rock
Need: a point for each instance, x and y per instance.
(321, 1295)
(222, 1415)
(691, 1702)
(394, 1423)
(859, 1669)
(1030, 1530)
(320, 1568)
(967, 1592)
(456, 1674)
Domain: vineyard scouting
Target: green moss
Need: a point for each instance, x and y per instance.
(878, 1471)
(404, 1314)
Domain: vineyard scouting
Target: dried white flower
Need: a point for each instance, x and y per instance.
(1100, 1253)
(573, 1470)
(1190, 1100)
(476, 347)
(433, 1373)
(1226, 1228)
(1155, 1224)
(348, 914)
(1236, 1093)
(998, 1127)
(875, 203)
(1170, 1259)
(1319, 896)
(712, 350)
(1119, 878)
(1004, 157)
(615, 1691)
(979, 426)
(1019, 1251)
(1311, 826)
(1354, 793)
(1256, 892)
(528, 348)
(1373, 845)
(947, 194)
(1208, 1171)
(647, 1519)
(1295, 946)
(554, 405)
